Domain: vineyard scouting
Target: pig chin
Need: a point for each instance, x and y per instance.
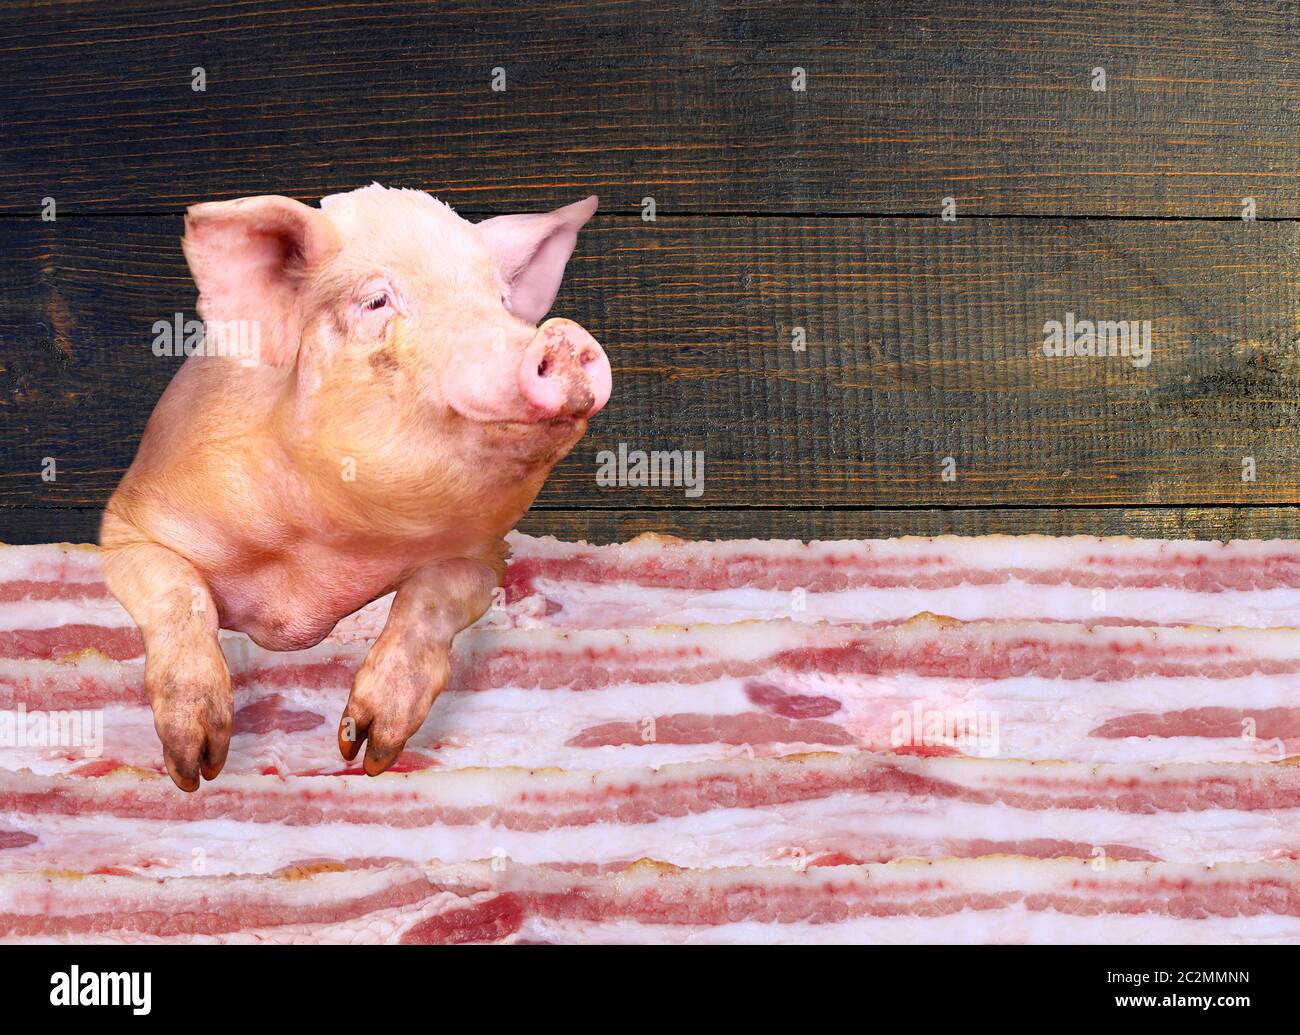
(520, 433)
(533, 441)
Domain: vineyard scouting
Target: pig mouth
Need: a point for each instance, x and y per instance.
(547, 428)
(522, 418)
(558, 425)
(534, 442)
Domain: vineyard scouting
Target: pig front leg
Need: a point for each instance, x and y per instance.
(410, 662)
(185, 674)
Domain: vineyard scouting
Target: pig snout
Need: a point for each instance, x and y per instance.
(565, 372)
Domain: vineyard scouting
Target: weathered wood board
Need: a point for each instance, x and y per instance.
(921, 341)
(846, 361)
(905, 103)
(601, 525)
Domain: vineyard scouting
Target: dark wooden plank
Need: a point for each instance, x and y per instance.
(609, 526)
(691, 103)
(25, 525)
(924, 341)
(81, 525)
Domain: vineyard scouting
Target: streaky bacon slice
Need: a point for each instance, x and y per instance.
(927, 645)
(677, 741)
(1038, 901)
(1041, 690)
(656, 578)
(53, 600)
(854, 807)
(51, 571)
(597, 699)
(90, 679)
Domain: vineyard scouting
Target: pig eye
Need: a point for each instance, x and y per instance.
(377, 301)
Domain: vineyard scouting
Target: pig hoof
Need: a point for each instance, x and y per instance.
(193, 714)
(383, 742)
(195, 742)
(390, 698)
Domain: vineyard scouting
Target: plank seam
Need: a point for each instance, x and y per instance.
(635, 216)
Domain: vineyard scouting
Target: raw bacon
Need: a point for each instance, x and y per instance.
(855, 807)
(655, 579)
(1002, 898)
(53, 600)
(598, 699)
(1012, 739)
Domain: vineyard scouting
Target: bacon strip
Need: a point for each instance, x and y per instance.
(677, 742)
(594, 699)
(926, 645)
(53, 600)
(853, 807)
(933, 901)
(654, 579)
(89, 679)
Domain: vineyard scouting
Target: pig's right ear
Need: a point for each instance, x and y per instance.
(248, 257)
(532, 250)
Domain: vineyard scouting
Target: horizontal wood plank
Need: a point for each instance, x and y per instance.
(612, 526)
(906, 103)
(81, 525)
(923, 342)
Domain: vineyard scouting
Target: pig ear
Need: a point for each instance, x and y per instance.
(247, 257)
(531, 252)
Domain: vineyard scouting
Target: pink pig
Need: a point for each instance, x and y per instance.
(401, 417)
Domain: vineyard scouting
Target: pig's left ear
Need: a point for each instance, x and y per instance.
(531, 252)
(248, 257)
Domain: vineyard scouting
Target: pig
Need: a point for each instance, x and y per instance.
(400, 414)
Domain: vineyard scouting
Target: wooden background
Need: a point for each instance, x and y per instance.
(775, 209)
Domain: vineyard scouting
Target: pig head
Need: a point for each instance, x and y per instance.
(396, 414)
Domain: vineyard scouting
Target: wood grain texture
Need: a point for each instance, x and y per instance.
(924, 341)
(777, 210)
(613, 526)
(691, 103)
(598, 525)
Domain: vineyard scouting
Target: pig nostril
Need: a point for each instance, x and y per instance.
(543, 366)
